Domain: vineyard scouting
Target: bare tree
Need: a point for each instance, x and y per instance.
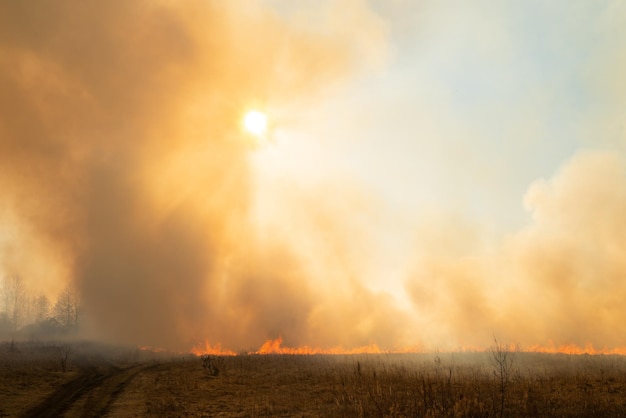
(42, 308)
(64, 352)
(66, 309)
(502, 359)
(4, 303)
(28, 309)
(13, 296)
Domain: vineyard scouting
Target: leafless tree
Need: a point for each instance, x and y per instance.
(42, 308)
(502, 360)
(64, 352)
(66, 309)
(13, 296)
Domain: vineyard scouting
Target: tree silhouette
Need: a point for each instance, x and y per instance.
(13, 295)
(66, 309)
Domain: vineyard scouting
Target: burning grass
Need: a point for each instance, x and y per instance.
(276, 347)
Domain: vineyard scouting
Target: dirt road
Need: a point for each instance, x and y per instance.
(91, 394)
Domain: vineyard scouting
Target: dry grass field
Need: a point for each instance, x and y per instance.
(82, 380)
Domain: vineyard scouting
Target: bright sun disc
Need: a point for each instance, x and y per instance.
(255, 122)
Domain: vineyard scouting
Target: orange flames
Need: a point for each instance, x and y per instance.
(575, 349)
(275, 347)
(209, 349)
(552, 348)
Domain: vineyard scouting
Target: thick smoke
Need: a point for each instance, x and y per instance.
(122, 158)
(558, 281)
(124, 171)
(573, 256)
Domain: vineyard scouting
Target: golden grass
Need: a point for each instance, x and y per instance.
(411, 385)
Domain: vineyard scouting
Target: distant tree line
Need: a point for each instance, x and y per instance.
(25, 313)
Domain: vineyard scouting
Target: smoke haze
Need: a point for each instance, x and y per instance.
(125, 172)
(123, 159)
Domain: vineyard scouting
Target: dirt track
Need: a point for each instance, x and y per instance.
(90, 394)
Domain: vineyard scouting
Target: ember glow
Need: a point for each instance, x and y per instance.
(439, 173)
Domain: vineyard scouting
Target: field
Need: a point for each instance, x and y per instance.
(85, 379)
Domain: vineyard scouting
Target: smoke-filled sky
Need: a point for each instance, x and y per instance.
(434, 173)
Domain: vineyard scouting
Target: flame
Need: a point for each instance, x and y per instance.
(275, 347)
(575, 349)
(552, 348)
(209, 349)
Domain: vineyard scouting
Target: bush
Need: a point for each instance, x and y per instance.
(212, 364)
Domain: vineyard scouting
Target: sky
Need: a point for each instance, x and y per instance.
(434, 173)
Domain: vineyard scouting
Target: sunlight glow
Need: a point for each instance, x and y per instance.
(255, 122)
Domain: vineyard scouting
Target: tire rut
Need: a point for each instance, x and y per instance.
(99, 390)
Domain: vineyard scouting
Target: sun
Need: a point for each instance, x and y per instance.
(255, 122)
